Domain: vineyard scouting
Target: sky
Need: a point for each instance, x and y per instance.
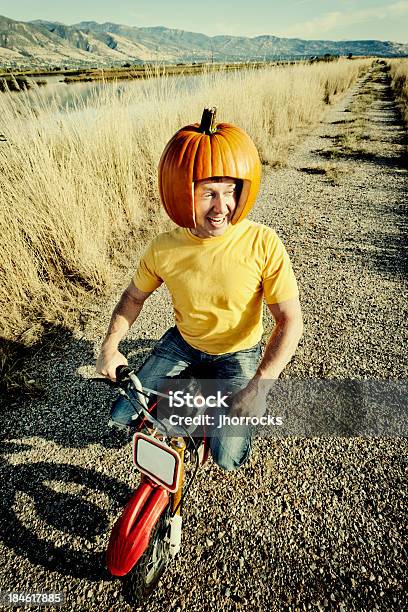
(308, 19)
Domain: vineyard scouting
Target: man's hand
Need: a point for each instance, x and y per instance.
(108, 361)
(250, 401)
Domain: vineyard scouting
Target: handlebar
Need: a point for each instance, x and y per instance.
(125, 379)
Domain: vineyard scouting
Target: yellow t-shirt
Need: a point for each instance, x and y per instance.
(217, 284)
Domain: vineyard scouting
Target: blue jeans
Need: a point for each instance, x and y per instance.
(232, 371)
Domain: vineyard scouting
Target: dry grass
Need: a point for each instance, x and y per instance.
(76, 187)
(399, 83)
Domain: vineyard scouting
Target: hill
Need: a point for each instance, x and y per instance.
(45, 43)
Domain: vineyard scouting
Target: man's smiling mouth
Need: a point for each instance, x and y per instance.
(216, 220)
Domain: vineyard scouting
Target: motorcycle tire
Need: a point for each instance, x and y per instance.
(141, 581)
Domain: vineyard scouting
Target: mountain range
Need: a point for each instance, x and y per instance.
(45, 43)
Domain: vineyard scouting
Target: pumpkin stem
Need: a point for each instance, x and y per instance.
(208, 120)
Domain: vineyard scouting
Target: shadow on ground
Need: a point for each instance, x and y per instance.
(71, 514)
(73, 413)
(359, 155)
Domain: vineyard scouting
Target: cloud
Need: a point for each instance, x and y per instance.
(329, 21)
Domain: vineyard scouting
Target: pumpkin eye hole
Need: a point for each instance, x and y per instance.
(238, 189)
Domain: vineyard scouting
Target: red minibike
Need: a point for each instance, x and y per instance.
(148, 533)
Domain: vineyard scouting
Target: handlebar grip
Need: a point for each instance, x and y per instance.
(122, 373)
(104, 380)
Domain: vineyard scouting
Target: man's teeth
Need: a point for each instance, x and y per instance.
(216, 220)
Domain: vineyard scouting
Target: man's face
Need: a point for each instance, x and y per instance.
(214, 202)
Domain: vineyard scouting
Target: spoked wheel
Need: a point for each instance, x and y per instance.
(144, 577)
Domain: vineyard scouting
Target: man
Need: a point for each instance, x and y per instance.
(217, 271)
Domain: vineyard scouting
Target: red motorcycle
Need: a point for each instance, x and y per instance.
(148, 533)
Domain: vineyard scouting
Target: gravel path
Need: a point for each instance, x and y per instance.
(308, 523)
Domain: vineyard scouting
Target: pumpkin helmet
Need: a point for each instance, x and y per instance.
(203, 151)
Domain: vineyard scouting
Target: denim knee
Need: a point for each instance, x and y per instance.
(227, 459)
(227, 463)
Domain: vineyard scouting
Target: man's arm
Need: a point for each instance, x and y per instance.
(278, 352)
(284, 339)
(124, 315)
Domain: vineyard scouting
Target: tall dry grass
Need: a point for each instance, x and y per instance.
(399, 83)
(77, 185)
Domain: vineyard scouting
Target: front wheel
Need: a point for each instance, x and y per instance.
(144, 577)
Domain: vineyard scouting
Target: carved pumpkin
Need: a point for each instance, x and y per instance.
(202, 151)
